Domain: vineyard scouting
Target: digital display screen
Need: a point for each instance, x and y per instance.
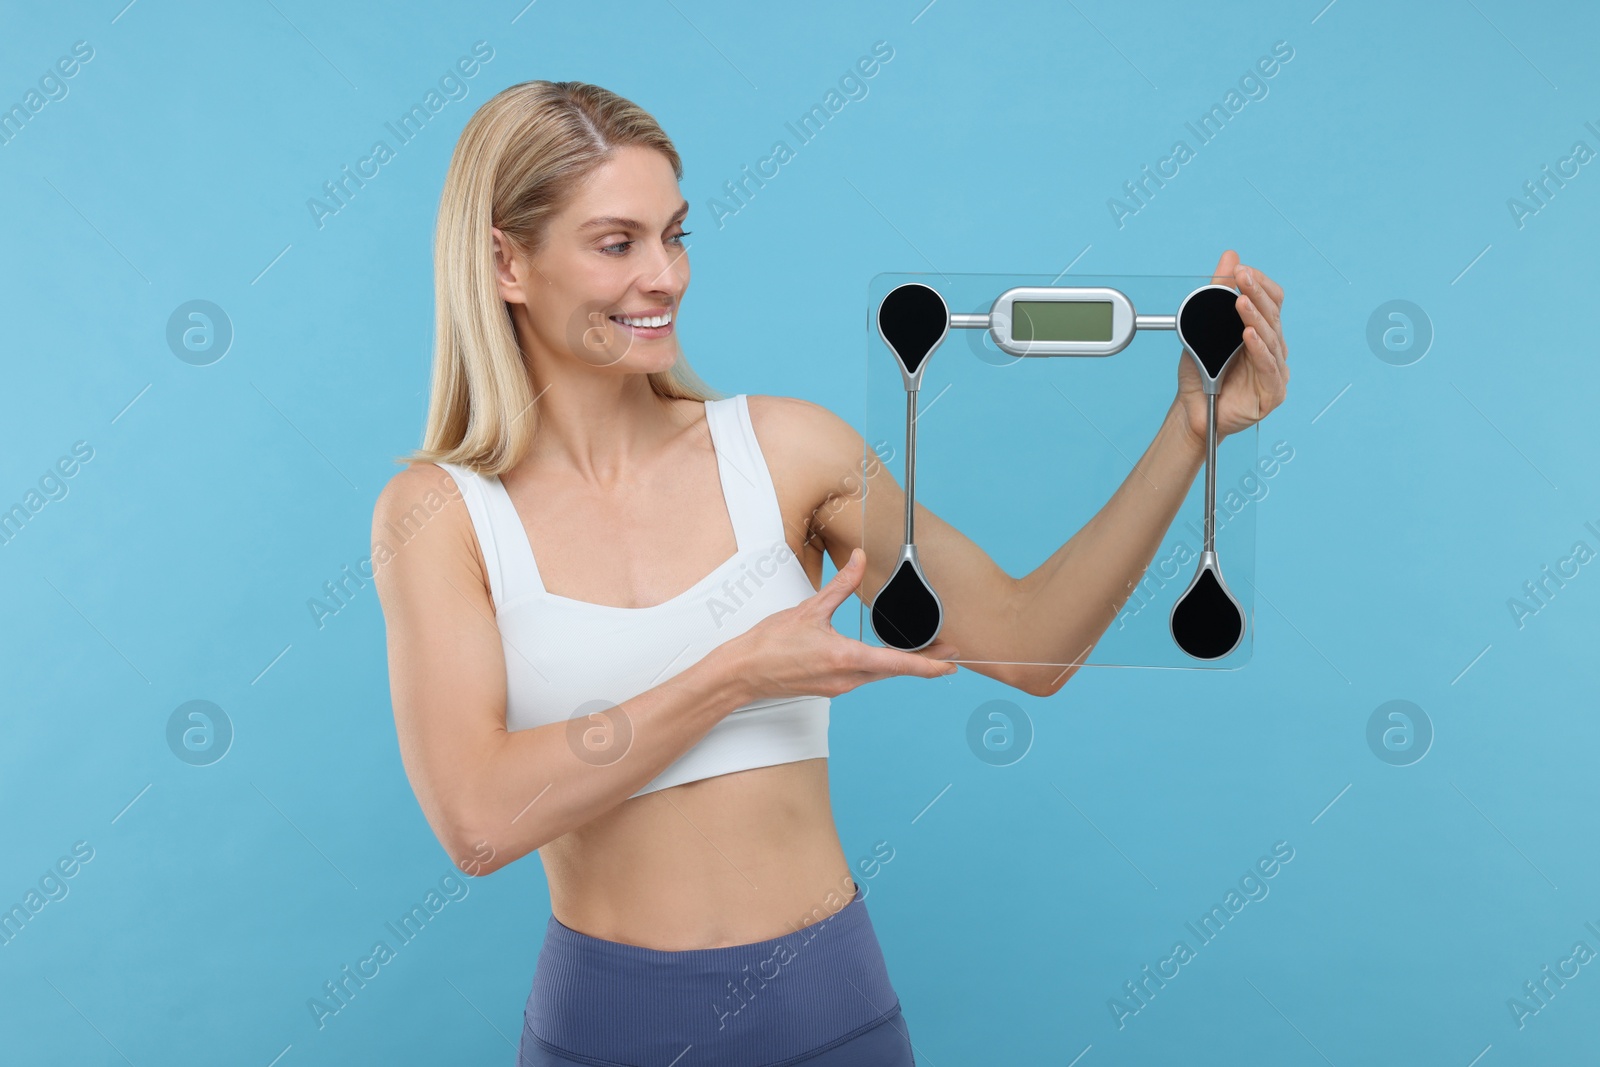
(1061, 320)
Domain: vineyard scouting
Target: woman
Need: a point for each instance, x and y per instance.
(606, 639)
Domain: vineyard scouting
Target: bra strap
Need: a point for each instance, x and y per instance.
(518, 568)
(475, 496)
(502, 538)
(746, 482)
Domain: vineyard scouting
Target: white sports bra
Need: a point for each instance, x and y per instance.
(566, 658)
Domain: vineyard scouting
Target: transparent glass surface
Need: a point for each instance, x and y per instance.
(1019, 453)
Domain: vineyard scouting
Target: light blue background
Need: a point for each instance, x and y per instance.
(1020, 898)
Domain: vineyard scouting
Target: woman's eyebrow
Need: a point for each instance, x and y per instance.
(617, 222)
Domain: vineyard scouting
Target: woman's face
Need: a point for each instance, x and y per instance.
(615, 252)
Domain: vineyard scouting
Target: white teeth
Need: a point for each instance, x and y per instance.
(653, 320)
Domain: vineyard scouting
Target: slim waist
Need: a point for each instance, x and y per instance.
(765, 1002)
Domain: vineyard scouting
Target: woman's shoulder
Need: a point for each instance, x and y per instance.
(791, 414)
(415, 494)
(417, 480)
(804, 443)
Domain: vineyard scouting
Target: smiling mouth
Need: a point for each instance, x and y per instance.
(646, 325)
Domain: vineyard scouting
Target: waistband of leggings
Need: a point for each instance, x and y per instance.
(756, 1003)
(852, 917)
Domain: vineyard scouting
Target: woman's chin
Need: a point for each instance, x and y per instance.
(638, 359)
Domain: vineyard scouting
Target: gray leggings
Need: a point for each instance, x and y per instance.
(819, 996)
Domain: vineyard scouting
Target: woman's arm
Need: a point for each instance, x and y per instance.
(492, 795)
(1034, 632)
(1024, 632)
(1066, 604)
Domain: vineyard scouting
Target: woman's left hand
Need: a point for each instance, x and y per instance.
(1257, 378)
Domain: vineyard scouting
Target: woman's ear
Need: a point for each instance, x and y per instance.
(508, 270)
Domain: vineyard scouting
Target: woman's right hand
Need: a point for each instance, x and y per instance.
(797, 652)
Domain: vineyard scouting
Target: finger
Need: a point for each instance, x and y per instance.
(1251, 313)
(841, 585)
(1223, 275)
(1273, 289)
(1266, 362)
(892, 661)
(1250, 285)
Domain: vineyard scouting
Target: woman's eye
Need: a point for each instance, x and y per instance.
(621, 245)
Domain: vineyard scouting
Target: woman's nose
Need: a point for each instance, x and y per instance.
(667, 270)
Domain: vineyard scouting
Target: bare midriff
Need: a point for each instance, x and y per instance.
(728, 860)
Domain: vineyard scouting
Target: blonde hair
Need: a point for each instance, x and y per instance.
(519, 157)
